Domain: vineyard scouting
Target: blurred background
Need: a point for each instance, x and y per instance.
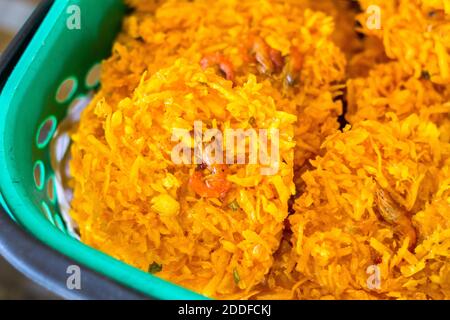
(13, 14)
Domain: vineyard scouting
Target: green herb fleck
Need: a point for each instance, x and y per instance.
(234, 205)
(154, 268)
(236, 276)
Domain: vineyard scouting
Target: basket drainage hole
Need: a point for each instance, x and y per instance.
(93, 76)
(59, 223)
(51, 189)
(66, 90)
(46, 131)
(39, 174)
(47, 213)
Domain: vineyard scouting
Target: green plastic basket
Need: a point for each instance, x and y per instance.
(59, 65)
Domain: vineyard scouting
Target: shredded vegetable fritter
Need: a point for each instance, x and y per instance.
(359, 206)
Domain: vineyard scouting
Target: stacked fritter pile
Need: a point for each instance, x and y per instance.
(377, 202)
(342, 202)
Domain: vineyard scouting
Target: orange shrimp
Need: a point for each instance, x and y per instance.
(217, 59)
(270, 60)
(277, 59)
(293, 68)
(214, 185)
(395, 216)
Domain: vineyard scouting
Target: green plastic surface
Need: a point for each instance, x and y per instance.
(54, 55)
